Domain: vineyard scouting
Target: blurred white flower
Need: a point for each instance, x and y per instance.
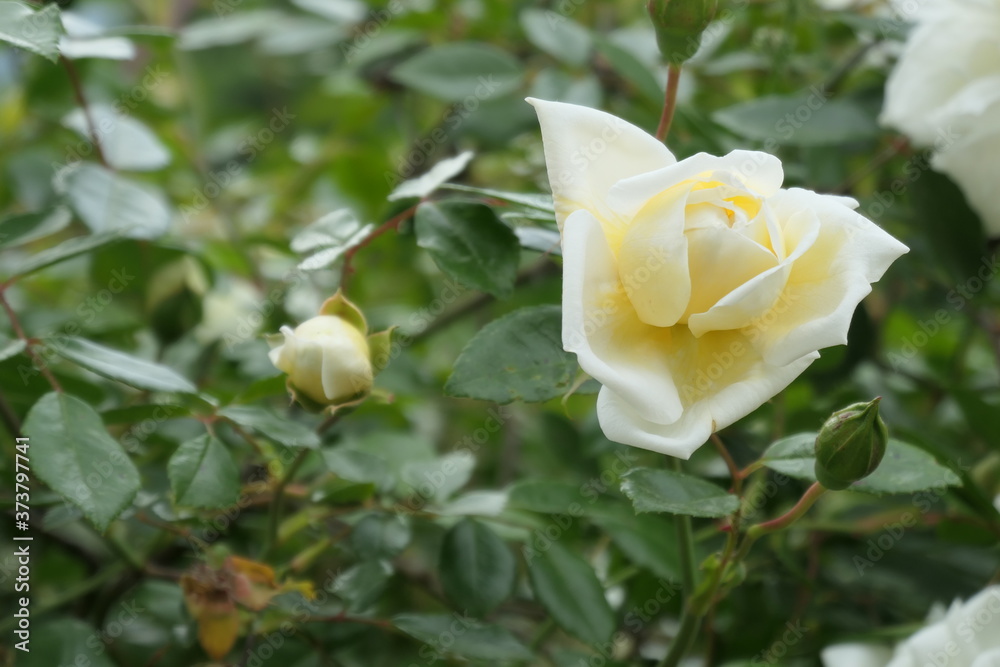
(231, 311)
(842, 5)
(968, 635)
(945, 93)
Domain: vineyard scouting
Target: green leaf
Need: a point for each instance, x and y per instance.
(460, 71)
(121, 367)
(470, 243)
(356, 466)
(294, 35)
(68, 249)
(540, 239)
(107, 201)
(341, 11)
(904, 468)
(438, 479)
(158, 412)
(65, 641)
(439, 174)
(126, 143)
(338, 491)
(37, 31)
(73, 454)
(530, 199)
(544, 496)
(516, 358)
(793, 455)
(568, 588)
(203, 474)
(84, 39)
(557, 35)
(646, 539)
(380, 535)
(10, 347)
(652, 490)
(228, 30)
(805, 119)
(631, 69)
(266, 422)
(363, 584)
(477, 568)
(27, 227)
(458, 635)
(329, 238)
(980, 415)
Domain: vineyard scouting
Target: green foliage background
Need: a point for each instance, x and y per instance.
(435, 529)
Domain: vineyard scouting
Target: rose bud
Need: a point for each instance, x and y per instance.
(850, 445)
(679, 24)
(330, 359)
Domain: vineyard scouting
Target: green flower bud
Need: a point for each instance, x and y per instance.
(679, 24)
(850, 445)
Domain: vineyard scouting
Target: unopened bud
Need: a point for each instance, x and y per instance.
(850, 445)
(679, 24)
(326, 358)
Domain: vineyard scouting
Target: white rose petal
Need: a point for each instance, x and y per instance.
(856, 655)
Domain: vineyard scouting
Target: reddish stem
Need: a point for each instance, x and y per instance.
(81, 99)
(811, 495)
(669, 102)
(28, 344)
(391, 223)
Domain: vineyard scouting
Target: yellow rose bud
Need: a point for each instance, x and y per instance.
(326, 358)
